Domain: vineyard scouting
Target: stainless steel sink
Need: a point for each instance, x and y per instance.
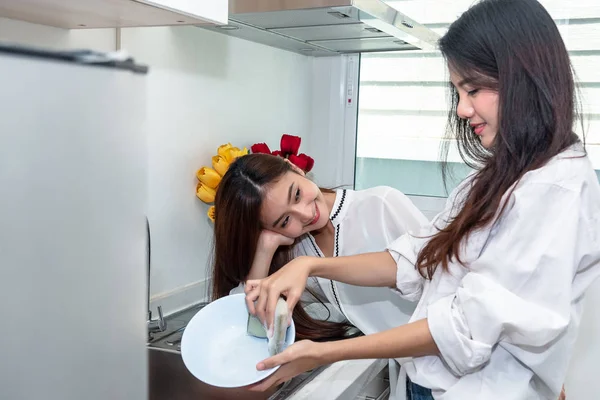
(169, 379)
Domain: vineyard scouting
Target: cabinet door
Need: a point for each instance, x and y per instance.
(215, 11)
(85, 14)
(72, 231)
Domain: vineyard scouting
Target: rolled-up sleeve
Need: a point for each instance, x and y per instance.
(519, 289)
(409, 282)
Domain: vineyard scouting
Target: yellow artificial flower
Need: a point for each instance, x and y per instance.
(220, 164)
(209, 177)
(223, 151)
(211, 213)
(205, 193)
(234, 153)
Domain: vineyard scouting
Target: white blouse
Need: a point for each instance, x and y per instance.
(364, 221)
(506, 325)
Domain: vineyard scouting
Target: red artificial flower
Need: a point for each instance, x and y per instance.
(302, 161)
(289, 149)
(290, 145)
(260, 148)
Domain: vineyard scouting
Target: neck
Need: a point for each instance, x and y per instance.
(329, 200)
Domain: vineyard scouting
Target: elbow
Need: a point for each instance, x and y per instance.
(461, 355)
(408, 282)
(411, 293)
(460, 352)
(464, 365)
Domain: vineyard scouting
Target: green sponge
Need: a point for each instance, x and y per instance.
(255, 327)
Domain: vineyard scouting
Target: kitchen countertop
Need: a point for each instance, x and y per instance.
(343, 380)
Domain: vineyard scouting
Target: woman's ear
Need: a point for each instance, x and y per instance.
(295, 167)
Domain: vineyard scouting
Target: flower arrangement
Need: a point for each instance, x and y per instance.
(289, 147)
(209, 178)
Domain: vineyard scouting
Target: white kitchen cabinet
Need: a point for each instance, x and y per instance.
(81, 14)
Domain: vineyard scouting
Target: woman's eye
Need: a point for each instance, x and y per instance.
(285, 222)
(472, 92)
(297, 194)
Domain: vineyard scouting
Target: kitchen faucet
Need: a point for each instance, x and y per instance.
(160, 324)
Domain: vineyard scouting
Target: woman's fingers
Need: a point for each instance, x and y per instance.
(296, 359)
(273, 298)
(261, 302)
(252, 290)
(292, 300)
(278, 359)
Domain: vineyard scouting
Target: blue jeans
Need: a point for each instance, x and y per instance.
(416, 392)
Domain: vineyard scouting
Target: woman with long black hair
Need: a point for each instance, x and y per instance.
(501, 273)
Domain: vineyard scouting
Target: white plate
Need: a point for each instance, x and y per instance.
(217, 350)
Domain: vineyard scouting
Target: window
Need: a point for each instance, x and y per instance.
(403, 99)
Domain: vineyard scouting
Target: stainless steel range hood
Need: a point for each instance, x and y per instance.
(325, 27)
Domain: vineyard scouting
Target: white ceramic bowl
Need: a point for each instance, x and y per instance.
(217, 350)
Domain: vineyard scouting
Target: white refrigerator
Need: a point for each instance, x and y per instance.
(72, 226)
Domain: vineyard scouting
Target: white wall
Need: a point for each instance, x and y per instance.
(206, 89)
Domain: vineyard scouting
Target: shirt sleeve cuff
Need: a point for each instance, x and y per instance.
(409, 283)
(238, 289)
(461, 354)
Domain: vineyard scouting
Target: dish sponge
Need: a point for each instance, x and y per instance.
(277, 340)
(255, 327)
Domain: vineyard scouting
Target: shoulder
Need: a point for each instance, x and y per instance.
(566, 184)
(568, 174)
(568, 171)
(379, 195)
(388, 203)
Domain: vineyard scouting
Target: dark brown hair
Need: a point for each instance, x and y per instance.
(514, 48)
(237, 229)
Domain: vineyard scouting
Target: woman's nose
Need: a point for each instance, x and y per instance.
(464, 109)
(305, 212)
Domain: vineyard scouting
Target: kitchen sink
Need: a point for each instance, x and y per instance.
(169, 379)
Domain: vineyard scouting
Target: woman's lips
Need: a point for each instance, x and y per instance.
(317, 215)
(478, 129)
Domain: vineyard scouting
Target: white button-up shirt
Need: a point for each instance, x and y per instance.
(506, 323)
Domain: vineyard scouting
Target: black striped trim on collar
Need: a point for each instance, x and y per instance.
(336, 254)
(337, 241)
(339, 208)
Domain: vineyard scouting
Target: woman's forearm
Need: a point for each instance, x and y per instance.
(370, 269)
(261, 263)
(410, 340)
